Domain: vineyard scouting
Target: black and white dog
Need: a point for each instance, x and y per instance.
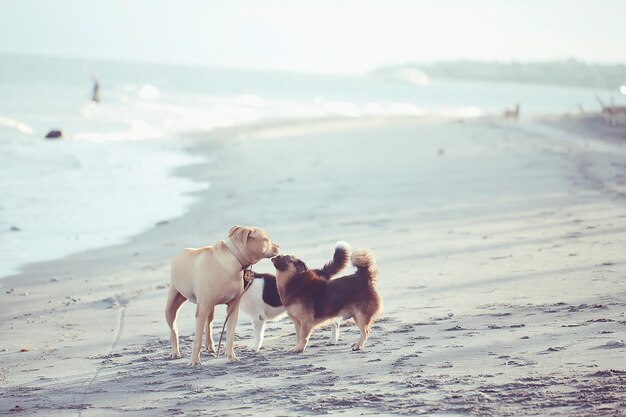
(262, 303)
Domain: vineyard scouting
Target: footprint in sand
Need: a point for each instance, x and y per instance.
(551, 350)
(612, 344)
(406, 328)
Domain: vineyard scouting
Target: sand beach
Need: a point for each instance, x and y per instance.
(500, 248)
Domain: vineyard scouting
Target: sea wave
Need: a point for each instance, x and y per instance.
(137, 130)
(17, 125)
(62, 197)
(149, 92)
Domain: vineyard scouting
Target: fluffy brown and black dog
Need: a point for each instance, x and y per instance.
(312, 300)
(262, 301)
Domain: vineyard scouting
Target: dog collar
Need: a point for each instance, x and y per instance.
(237, 253)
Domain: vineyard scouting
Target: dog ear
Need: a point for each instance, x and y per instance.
(301, 266)
(233, 230)
(240, 233)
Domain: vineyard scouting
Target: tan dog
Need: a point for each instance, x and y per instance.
(212, 275)
(311, 300)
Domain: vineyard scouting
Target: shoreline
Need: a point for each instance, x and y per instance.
(500, 269)
(588, 125)
(187, 144)
(191, 141)
(71, 196)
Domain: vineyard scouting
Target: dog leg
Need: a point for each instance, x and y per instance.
(174, 301)
(306, 328)
(232, 309)
(259, 332)
(202, 314)
(208, 344)
(334, 335)
(364, 322)
(296, 324)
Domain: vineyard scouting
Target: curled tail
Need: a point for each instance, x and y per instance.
(364, 262)
(339, 261)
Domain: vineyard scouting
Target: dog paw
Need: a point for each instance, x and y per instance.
(210, 349)
(193, 362)
(232, 358)
(357, 347)
(296, 350)
(174, 355)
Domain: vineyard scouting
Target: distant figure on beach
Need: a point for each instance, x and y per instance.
(512, 114)
(613, 115)
(95, 97)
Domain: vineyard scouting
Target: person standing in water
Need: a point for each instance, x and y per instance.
(95, 96)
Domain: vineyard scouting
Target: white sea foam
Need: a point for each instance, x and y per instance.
(109, 179)
(62, 197)
(14, 124)
(149, 92)
(137, 130)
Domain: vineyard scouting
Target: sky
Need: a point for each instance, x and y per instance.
(342, 36)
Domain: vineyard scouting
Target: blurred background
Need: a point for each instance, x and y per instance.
(122, 81)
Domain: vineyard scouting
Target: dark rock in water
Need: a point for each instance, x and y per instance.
(15, 229)
(55, 134)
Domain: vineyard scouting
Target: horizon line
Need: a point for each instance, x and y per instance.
(320, 72)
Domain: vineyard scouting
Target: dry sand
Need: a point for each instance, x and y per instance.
(501, 251)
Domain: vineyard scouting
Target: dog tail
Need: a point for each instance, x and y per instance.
(364, 262)
(339, 261)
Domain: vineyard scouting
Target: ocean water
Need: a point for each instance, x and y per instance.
(112, 177)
